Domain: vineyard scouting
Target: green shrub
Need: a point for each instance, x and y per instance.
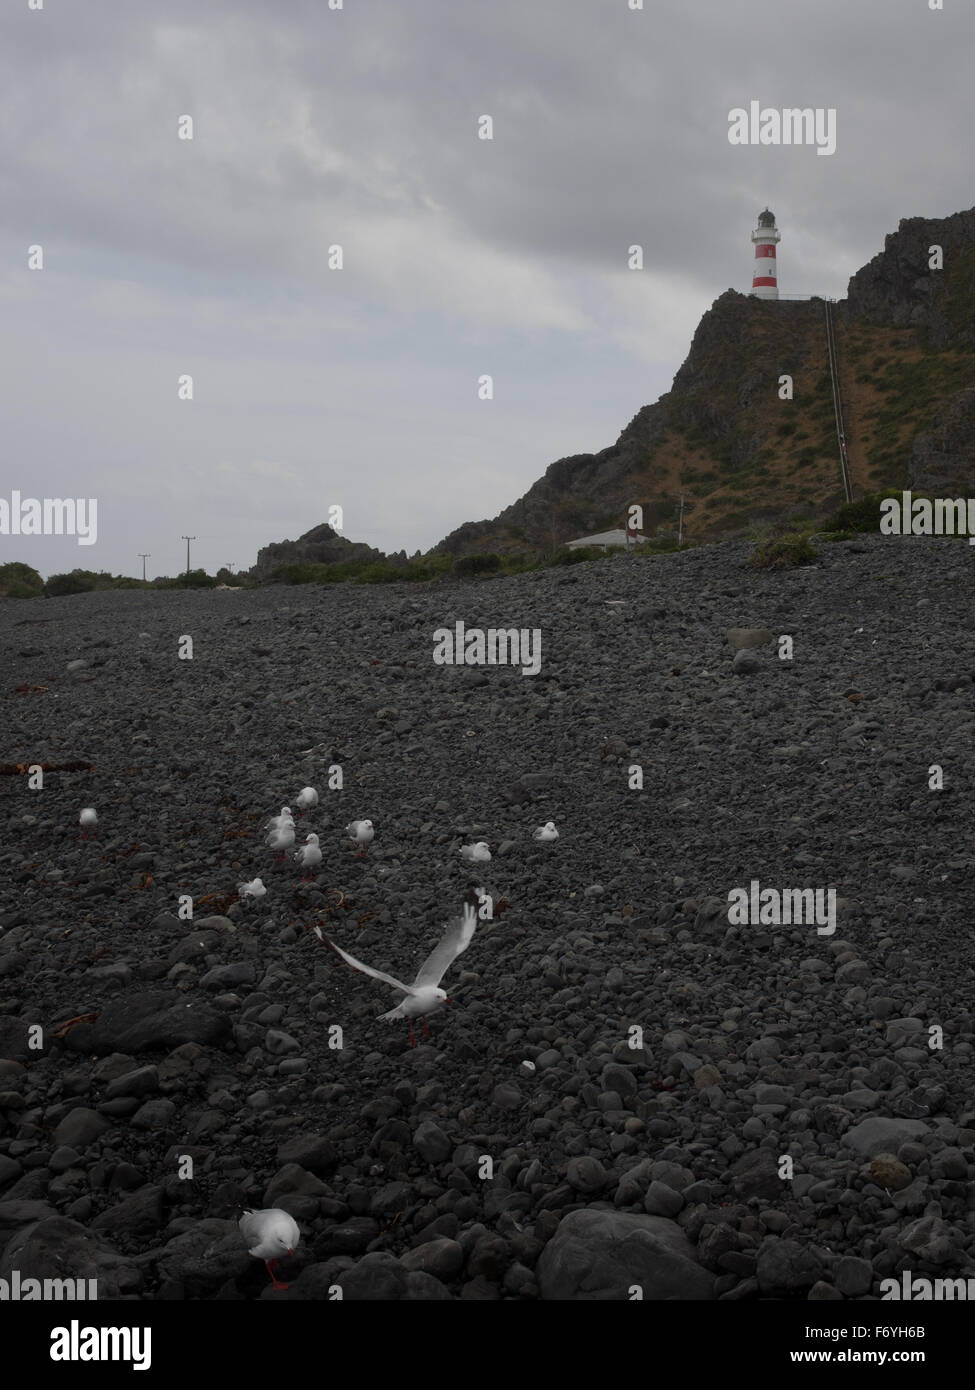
(783, 550)
(379, 573)
(467, 565)
(194, 579)
(863, 515)
(301, 572)
(18, 580)
(565, 556)
(77, 582)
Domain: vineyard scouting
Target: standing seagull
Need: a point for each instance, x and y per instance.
(281, 838)
(424, 995)
(88, 820)
(309, 856)
(274, 1234)
(307, 799)
(362, 832)
(285, 818)
(546, 832)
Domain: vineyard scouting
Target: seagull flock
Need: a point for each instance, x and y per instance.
(273, 1233)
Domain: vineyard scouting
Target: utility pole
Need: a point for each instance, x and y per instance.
(680, 524)
(187, 539)
(144, 558)
(229, 566)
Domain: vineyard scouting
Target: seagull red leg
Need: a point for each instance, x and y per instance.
(269, 1265)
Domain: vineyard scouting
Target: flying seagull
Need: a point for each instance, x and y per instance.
(424, 996)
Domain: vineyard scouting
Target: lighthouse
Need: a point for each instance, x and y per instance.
(765, 283)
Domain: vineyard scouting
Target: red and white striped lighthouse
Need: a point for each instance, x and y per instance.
(765, 282)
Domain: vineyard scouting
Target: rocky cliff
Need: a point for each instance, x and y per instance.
(319, 546)
(723, 436)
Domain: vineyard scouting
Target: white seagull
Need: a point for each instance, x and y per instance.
(546, 832)
(274, 1234)
(251, 892)
(476, 854)
(285, 818)
(309, 856)
(88, 820)
(281, 838)
(362, 832)
(424, 995)
(307, 799)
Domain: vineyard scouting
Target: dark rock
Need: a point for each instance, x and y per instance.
(80, 1127)
(151, 1021)
(598, 1254)
(135, 1215)
(785, 1266)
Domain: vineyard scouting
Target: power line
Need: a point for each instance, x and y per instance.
(187, 539)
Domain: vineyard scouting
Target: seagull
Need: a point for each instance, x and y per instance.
(424, 995)
(274, 1234)
(546, 832)
(307, 799)
(362, 832)
(281, 838)
(476, 854)
(285, 818)
(309, 856)
(251, 892)
(88, 820)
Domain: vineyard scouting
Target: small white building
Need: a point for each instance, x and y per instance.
(605, 539)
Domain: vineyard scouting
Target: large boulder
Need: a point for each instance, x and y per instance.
(598, 1254)
(154, 1020)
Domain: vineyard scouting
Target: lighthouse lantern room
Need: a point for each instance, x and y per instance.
(765, 282)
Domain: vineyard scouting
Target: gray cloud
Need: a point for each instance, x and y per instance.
(461, 256)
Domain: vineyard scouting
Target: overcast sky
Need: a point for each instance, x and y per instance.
(462, 256)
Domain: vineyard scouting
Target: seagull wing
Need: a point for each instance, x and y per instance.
(368, 969)
(456, 939)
